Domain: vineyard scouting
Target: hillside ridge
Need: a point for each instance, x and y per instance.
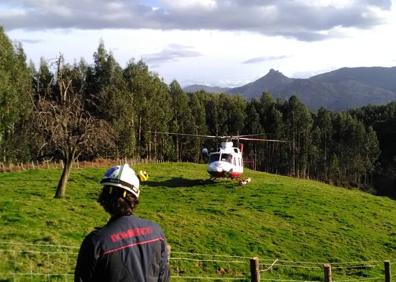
(337, 90)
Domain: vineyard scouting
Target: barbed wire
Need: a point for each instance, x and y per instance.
(269, 267)
(321, 266)
(332, 263)
(289, 280)
(207, 277)
(5, 274)
(38, 244)
(286, 263)
(298, 266)
(36, 252)
(210, 255)
(223, 258)
(353, 266)
(210, 260)
(361, 279)
(356, 262)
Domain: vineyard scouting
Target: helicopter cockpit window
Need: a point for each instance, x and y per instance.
(226, 158)
(214, 157)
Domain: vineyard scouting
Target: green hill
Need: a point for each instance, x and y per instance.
(213, 228)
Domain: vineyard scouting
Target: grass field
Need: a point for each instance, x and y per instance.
(213, 228)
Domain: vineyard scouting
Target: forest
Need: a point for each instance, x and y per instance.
(58, 111)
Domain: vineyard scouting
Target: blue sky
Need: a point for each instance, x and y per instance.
(212, 42)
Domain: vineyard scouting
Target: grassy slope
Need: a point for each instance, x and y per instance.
(272, 217)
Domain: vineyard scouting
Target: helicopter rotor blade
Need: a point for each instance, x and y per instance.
(229, 138)
(184, 134)
(248, 135)
(262, 140)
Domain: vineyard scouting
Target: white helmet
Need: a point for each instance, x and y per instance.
(122, 176)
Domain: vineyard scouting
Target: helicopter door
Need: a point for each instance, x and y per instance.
(226, 158)
(214, 157)
(239, 161)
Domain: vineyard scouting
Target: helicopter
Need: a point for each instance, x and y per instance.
(227, 161)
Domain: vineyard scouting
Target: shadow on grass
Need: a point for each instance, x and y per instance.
(179, 182)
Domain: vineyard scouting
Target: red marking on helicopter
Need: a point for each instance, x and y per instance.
(231, 175)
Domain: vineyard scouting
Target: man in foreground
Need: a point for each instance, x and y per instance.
(127, 248)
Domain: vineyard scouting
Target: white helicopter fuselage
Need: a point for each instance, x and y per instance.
(227, 162)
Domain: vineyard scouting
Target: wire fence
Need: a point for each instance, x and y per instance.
(46, 262)
(36, 262)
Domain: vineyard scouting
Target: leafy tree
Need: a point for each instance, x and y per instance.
(298, 121)
(63, 124)
(199, 117)
(236, 114)
(212, 114)
(252, 121)
(182, 119)
(355, 147)
(106, 97)
(151, 109)
(15, 87)
(223, 111)
(42, 79)
(324, 130)
(252, 126)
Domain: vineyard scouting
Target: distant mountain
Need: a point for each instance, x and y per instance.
(209, 89)
(375, 76)
(337, 90)
(273, 80)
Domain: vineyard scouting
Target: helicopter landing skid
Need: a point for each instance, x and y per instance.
(212, 179)
(243, 181)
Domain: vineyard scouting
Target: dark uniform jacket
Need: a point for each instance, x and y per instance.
(125, 249)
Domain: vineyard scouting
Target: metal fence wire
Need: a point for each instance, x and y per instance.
(46, 262)
(36, 262)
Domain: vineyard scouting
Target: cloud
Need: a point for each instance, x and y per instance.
(191, 4)
(173, 52)
(298, 19)
(30, 41)
(263, 59)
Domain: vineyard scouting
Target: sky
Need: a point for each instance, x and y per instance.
(224, 43)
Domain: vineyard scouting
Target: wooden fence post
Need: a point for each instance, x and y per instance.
(387, 268)
(255, 269)
(327, 272)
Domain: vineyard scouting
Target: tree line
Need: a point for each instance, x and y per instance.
(62, 111)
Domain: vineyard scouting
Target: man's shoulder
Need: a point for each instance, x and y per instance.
(129, 222)
(143, 220)
(95, 234)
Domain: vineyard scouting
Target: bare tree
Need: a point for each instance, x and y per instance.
(64, 126)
